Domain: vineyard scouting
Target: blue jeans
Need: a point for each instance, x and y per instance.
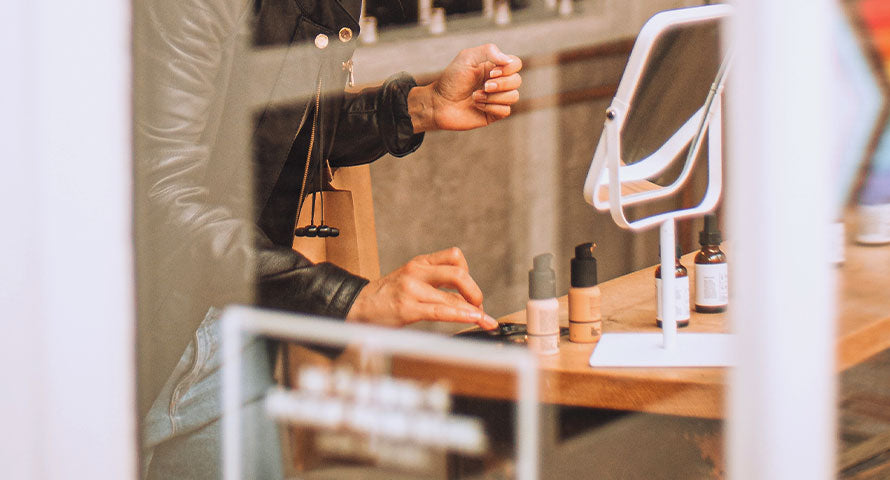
(182, 432)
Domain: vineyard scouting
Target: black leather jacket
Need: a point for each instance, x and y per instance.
(206, 233)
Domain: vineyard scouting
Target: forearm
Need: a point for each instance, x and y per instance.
(421, 109)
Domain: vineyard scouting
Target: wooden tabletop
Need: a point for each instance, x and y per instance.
(628, 305)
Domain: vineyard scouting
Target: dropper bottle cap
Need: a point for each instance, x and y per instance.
(710, 235)
(584, 266)
(542, 278)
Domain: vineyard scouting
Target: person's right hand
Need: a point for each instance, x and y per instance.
(412, 293)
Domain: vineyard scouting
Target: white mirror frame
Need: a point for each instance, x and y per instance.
(607, 169)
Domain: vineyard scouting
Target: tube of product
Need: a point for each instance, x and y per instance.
(542, 310)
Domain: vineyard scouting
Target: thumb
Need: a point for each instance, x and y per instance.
(487, 53)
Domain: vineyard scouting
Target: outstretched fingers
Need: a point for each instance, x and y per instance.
(439, 312)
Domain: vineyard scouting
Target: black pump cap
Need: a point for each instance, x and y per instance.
(542, 278)
(710, 235)
(584, 266)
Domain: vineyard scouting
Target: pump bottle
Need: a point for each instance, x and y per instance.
(542, 310)
(585, 319)
(681, 292)
(711, 273)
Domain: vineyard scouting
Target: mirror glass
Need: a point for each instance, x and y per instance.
(675, 82)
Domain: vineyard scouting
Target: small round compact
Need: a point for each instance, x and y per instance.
(511, 333)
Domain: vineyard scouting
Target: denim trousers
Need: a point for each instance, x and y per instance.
(182, 432)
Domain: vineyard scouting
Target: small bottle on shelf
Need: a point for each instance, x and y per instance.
(437, 21)
(681, 292)
(711, 273)
(502, 15)
(424, 12)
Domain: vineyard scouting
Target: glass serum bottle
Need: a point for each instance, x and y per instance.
(585, 318)
(681, 292)
(711, 272)
(542, 310)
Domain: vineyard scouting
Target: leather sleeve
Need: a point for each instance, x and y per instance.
(184, 57)
(376, 122)
(291, 282)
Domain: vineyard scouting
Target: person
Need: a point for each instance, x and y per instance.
(205, 239)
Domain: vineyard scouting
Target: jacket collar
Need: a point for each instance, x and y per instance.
(332, 14)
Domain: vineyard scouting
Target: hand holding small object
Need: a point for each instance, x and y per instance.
(476, 89)
(412, 293)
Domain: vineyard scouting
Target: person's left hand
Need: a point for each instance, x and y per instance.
(475, 89)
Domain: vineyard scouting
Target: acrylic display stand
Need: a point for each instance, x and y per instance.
(241, 323)
(647, 350)
(612, 185)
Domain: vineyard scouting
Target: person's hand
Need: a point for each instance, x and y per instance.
(411, 294)
(477, 88)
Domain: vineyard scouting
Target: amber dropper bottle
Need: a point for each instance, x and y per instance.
(711, 273)
(681, 290)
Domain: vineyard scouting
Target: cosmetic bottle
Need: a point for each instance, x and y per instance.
(424, 12)
(502, 14)
(585, 319)
(437, 21)
(488, 9)
(681, 292)
(542, 310)
(368, 30)
(711, 273)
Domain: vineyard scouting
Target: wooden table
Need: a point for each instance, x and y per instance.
(629, 306)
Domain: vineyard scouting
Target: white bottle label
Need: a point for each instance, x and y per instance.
(711, 285)
(542, 317)
(681, 301)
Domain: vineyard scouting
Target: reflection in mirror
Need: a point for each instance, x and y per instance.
(682, 66)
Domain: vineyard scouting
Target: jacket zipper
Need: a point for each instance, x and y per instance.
(309, 152)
